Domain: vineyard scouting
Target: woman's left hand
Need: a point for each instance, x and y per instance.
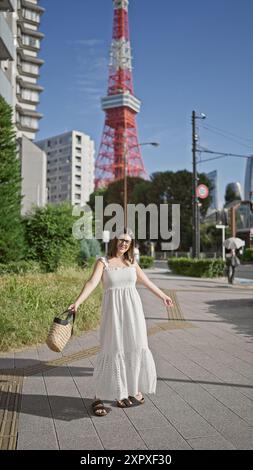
(167, 301)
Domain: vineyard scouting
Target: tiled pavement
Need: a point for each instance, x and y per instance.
(204, 357)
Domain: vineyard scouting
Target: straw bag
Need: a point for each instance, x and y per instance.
(60, 331)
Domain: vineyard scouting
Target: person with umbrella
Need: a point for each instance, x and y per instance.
(233, 244)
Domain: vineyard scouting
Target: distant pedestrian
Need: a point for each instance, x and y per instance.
(232, 263)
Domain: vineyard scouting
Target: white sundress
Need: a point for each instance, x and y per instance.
(124, 365)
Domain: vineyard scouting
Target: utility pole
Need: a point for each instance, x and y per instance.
(195, 201)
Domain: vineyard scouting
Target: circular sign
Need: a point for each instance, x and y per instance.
(202, 191)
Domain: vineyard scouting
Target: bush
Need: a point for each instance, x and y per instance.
(94, 247)
(146, 261)
(84, 250)
(197, 267)
(89, 250)
(247, 255)
(19, 267)
(48, 233)
(70, 253)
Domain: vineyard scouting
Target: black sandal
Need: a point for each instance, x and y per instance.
(136, 401)
(99, 408)
(125, 403)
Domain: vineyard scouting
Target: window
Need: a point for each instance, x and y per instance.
(27, 67)
(30, 41)
(78, 168)
(49, 143)
(30, 95)
(78, 149)
(65, 178)
(78, 139)
(30, 15)
(78, 196)
(78, 159)
(78, 186)
(27, 121)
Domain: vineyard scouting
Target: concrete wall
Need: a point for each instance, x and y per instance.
(34, 174)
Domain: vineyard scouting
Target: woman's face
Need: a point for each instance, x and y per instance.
(123, 243)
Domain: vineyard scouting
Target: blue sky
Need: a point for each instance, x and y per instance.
(186, 55)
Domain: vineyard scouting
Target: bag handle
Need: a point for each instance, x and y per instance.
(70, 314)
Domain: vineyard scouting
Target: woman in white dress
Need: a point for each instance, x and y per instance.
(125, 366)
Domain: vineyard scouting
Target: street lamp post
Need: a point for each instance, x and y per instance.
(195, 200)
(154, 144)
(223, 228)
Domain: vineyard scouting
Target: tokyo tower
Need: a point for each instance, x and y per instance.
(119, 145)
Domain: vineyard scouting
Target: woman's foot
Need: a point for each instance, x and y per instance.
(137, 399)
(125, 403)
(99, 408)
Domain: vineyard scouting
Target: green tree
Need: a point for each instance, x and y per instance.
(11, 229)
(49, 236)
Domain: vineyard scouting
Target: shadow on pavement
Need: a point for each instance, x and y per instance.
(32, 367)
(238, 312)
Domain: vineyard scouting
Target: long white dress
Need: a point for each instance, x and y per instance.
(124, 365)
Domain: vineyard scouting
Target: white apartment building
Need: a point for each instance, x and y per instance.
(19, 73)
(70, 167)
(28, 67)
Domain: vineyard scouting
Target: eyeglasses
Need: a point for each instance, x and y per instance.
(121, 240)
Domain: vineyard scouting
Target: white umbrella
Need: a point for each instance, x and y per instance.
(234, 243)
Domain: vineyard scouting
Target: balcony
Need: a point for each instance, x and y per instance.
(7, 50)
(30, 85)
(6, 5)
(32, 6)
(27, 120)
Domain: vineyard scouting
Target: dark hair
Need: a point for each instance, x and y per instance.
(129, 254)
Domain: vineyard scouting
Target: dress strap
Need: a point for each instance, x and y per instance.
(104, 260)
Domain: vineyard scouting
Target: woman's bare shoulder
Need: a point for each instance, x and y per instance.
(101, 261)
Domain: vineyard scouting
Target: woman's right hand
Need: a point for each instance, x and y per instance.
(73, 308)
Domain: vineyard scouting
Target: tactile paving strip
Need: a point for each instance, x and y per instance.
(10, 398)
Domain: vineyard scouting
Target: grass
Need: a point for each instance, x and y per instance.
(29, 302)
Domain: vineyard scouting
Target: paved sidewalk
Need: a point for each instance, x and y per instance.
(203, 351)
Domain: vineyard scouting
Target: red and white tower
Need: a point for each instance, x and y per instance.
(120, 140)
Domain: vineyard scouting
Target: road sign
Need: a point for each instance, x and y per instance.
(202, 191)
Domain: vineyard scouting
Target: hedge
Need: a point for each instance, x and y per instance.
(146, 261)
(197, 267)
(247, 255)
